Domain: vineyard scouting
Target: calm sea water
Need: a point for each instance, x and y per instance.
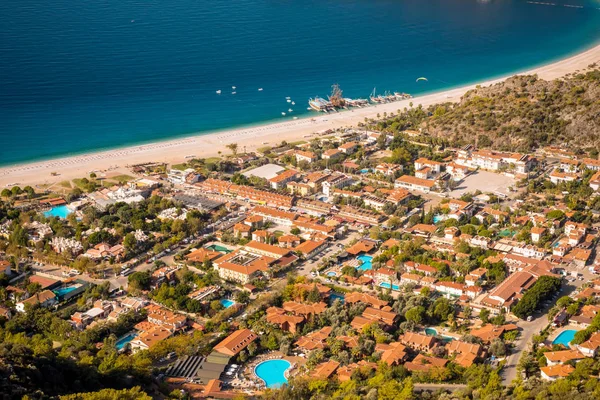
(83, 75)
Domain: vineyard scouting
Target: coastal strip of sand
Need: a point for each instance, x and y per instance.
(208, 145)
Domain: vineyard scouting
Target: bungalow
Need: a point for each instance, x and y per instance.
(466, 353)
(288, 241)
(325, 370)
(45, 299)
(356, 297)
(434, 166)
(536, 233)
(589, 348)
(490, 332)
(331, 154)
(592, 164)
(556, 177)
(423, 363)
(457, 171)
(241, 230)
(314, 340)
(388, 169)
(450, 288)
(418, 342)
(348, 148)
(562, 356)
(310, 248)
(595, 181)
(554, 372)
(307, 156)
(392, 353)
(288, 323)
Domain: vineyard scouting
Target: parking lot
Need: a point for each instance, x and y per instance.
(487, 182)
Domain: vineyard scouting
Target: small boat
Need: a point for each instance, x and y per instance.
(293, 103)
(295, 117)
(260, 89)
(289, 101)
(233, 92)
(290, 110)
(233, 87)
(218, 91)
(283, 114)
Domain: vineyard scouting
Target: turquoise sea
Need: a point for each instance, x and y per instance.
(77, 76)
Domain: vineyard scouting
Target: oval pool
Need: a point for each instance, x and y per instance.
(272, 372)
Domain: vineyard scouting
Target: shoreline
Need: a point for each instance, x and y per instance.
(251, 137)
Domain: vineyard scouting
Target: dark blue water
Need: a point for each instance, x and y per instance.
(83, 75)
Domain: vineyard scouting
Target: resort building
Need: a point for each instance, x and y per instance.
(235, 342)
(409, 182)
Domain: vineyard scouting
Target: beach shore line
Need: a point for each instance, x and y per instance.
(208, 145)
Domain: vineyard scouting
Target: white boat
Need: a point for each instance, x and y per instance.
(288, 97)
(290, 110)
(233, 87)
(293, 103)
(233, 92)
(289, 101)
(260, 89)
(295, 117)
(219, 91)
(283, 114)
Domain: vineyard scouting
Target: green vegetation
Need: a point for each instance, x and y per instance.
(542, 290)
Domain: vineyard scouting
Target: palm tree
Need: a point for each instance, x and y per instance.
(233, 147)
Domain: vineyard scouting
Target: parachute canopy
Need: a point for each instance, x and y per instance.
(422, 79)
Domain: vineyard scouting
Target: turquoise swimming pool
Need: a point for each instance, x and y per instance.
(60, 293)
(430, 332)
(366, 262)
(227, 303)
(332, 273)
(58, 211)
(438, 218)
(122, 342)
(220, 249)
(565, 337)
(272, 372)
(386, 285)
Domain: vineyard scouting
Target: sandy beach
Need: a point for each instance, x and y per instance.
(208, 145)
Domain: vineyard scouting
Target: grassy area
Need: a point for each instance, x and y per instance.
(124, 178)
(181, 167)
(212, 160)
(264, 149)
(78, 183)
(65, 184)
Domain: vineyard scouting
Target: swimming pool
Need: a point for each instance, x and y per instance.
(220, 249)
(58, 211)
(272, 372)
(430, 332)
(122, 342)
(332, 273)
(565, 337)
(438, 218)
(60, 293)
(227, 303)
(336, 296)
(366, 262)
(388, 286)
